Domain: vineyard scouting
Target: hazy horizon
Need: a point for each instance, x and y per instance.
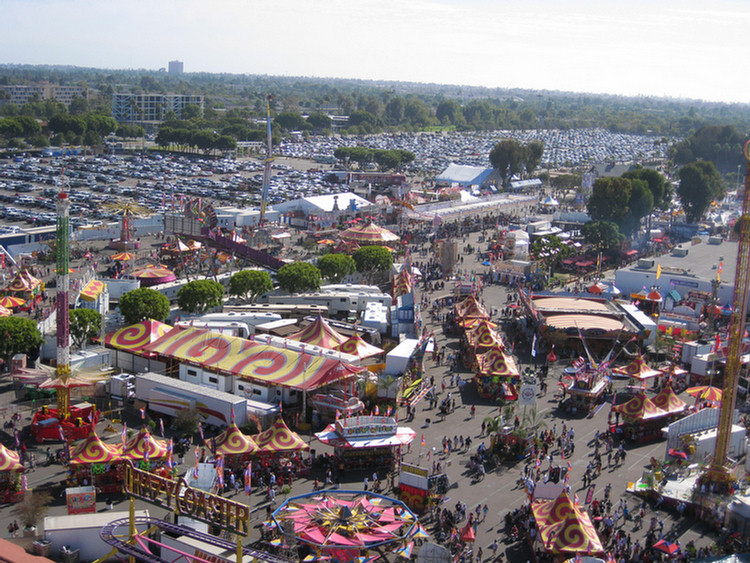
(681, 50)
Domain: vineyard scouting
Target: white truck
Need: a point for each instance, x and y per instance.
(168, 396)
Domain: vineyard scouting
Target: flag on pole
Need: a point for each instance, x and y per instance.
(422, 442)
(161, 426)
(124, 434)
(231, 411)
(249, 478)
(281, 407)
(389, 411)
(658, 271)
(200, 431)
(377, 410)
(143, 413)
(338, 414)
(197, 461)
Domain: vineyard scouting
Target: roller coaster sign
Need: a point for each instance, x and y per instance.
(175, 495)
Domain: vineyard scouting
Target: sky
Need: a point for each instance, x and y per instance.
(682, 49)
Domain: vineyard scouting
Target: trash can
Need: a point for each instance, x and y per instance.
(70, 556)
(42, 547)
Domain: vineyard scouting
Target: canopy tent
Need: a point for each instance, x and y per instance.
(668, 401)
(10, 301)
(135, 337)
(232, 442)
(640, 408)
(93, 290)
(143, 446)
(178, 246)
(152, 275)
(123, 256)
(356, 346)
(483, 335)
(250, 359)
(23, 282)
(279, 439)
(672, 370)
(9, 460)
(496, 362)
(5, 312)
(564, 527)
(93, 450)
(319, 333)
(369, 233)
(471, 308)
(637, 369)
(706, 393)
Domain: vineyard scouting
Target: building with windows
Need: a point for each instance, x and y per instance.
(175, 67)
(20, 94)
(127, 107)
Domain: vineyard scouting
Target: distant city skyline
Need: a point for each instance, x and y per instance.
(687, 49)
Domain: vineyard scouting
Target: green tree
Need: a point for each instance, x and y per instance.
(387, 160)
(449, 112)
(142, 304)
(609, 199)
(550, 250)
(640, 204)
(700, 183)
(507, 157)
(319, 121)
(298, 277)
(198, 296)
(335, 267)
(372, 259)
(533, 156)
(657, 184)
(290, 121)
(19, 336)
(250, 284)
(602, 234)
(84, 325)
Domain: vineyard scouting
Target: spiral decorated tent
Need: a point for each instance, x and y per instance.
(153, 275)
(470, 308)
(232, 442)
(11, 470)
(668, 401)
(369, 234)
(564, 527)
(356, 346)
(637, 369)
(319, 333)
(93, 461)
(278, 439)
(129, 344)
(250, 360)
(144, 447)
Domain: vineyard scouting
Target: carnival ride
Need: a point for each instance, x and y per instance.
(719, 472)
(142, 547)
(127, 210)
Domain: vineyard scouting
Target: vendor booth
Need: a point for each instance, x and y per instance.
(146, 452)
(366, 441)
(585, 390)
(235, 446)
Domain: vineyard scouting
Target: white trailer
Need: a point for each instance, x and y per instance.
(169, 396)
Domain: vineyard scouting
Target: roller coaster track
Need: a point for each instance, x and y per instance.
(242, 250)
(140, 552)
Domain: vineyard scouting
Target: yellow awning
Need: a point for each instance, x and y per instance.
(92, 290)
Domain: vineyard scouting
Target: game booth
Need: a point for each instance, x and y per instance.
(11, 476)
(366, 441)
(642, 419)
(280, 450)
(585, 391)
(564, 528)
(147, 453)
(418, 489)
(92, 462)
(638, 371)
(496, 374)
(26, 288)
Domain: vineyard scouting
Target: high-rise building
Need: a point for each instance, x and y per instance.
(128, 107)
(175, 67)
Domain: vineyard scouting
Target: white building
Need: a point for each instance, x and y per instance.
(319, 209)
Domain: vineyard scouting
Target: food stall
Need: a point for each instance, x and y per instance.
(280, 449)
(146, 452)
(642, 419)
(234, 446)
(585, 391)
(418, 489)
(366, 441)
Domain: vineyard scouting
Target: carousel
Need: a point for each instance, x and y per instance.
(154, 275)
(369, 234)
(347, 526)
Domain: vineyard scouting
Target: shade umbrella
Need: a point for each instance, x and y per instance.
(666, 547)
(706, 393)
(9, 301)
(123, 256)
(326, 241)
